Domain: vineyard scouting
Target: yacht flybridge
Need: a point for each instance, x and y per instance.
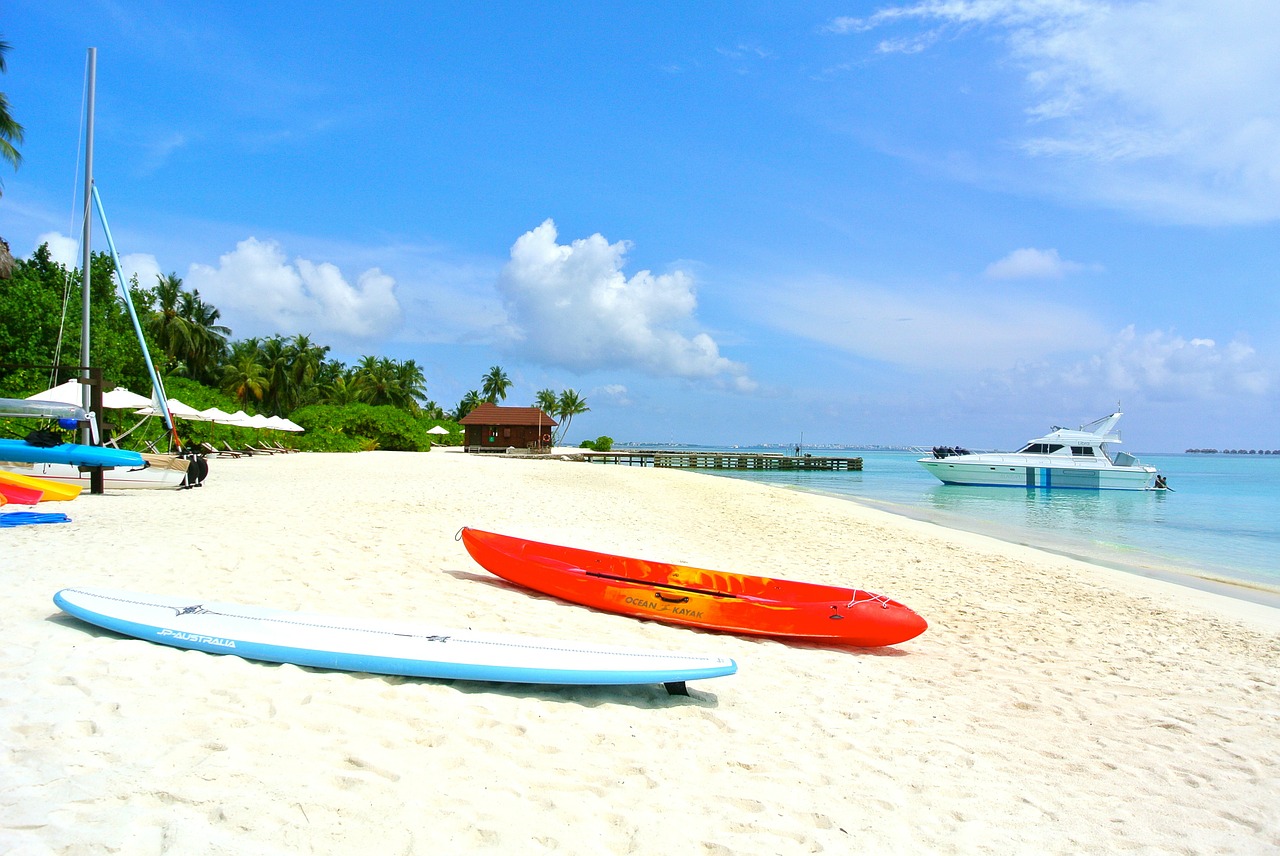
(1063, 458)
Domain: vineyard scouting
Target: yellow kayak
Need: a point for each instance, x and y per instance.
(53, 491)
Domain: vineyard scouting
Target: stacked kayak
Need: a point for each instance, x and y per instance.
(50, 491)
(69, 453)
(677, 594)
(19, 494)
(19, 490)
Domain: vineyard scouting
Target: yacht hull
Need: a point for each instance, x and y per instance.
(1038, 476)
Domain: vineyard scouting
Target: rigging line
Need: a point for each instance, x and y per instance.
(66, 300)
(71, 222)
(84, 108)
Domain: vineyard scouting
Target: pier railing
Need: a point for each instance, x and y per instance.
(723, 461)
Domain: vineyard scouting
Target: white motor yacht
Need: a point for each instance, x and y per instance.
(1063, 458)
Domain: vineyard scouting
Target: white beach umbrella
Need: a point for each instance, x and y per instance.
(290, 425)
(276, 423)
(179, 411)
(438, 429)
(257, 420)
(70, 392)
(123, 399)
(214, 414)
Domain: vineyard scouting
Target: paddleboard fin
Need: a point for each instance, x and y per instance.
(676, 688)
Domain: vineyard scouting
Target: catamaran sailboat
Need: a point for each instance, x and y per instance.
(131, 470)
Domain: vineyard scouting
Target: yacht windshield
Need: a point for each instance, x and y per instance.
(1039, 449)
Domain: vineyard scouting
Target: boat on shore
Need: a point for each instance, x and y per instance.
(1063, 458)
(88, 463)
(156, 472)
(69, 463)
(715, 600)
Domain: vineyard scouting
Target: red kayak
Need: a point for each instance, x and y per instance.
(19, 494)
(677, 594)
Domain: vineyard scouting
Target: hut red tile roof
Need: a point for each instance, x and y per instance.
(492, 414)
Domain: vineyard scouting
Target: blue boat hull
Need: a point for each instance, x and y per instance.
(68, 453)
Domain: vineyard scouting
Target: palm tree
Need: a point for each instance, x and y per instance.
(496, 384)
(412, 385)
(274, 357)
(374, 380)
(332, 385)
(341, 389)
(569, 406)
(10, 133)
(166, 325)
(469, 402)
(244, 377)
(306, 362)
(186, 329)
(546, 399)
(209, 338)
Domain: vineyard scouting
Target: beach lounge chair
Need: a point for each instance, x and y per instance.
(212, 451)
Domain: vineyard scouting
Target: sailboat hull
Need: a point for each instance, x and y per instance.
(146, 478)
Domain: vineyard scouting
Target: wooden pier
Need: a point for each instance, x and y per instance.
(724, 461)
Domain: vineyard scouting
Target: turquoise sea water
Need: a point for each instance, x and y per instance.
(1221, 522)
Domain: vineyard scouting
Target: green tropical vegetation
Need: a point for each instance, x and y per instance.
(496, 384)
(547, 400)
(378, 403)
(569, 405)
(563, 407)
(469, 402)
(10, 133)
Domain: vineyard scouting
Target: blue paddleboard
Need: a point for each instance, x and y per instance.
(375, 646)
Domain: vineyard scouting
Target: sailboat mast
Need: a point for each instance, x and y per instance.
(86, 259)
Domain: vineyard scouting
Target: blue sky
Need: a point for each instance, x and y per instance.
(720, 222)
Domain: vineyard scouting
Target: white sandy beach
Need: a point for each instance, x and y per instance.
(1052, 707)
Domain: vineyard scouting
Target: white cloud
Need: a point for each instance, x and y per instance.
(63, 250)
(930, 329)
(66, 252)
(142, 265)
(1163, 365)
(1166, 106)
(571, 306)
(1030, 263)
(260, 293)
(615, 393)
